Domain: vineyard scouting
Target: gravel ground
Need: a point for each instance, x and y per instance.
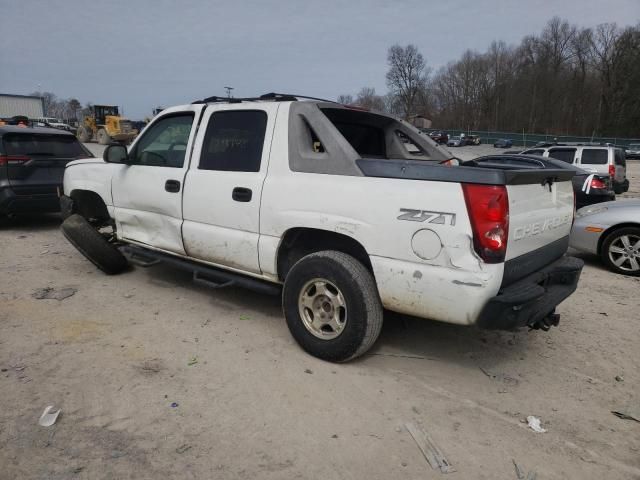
(160, 378)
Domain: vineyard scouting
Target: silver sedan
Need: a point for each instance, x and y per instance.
(612, 231)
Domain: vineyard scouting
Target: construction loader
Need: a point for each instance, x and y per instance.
(105, 125)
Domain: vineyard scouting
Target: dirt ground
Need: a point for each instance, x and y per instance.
(160, 378)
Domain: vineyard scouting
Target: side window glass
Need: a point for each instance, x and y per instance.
(595, 156)
(409, 145)
(565, 154)
(233, 141)
(165, 143)
(620, 157)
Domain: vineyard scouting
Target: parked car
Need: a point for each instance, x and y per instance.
(633, 151)
(285, 197)
(472, 140)
(51, 122)
(32, 162)
(456, 141)
(589, 188)
(439, 137)
(600, 159)
(612, 231)
(503, 143)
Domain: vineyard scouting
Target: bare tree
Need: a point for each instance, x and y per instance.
(407, 75)
(367, 98)
(345, 99)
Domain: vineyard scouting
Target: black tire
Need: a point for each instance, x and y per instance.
(83, 134)
(618, 189)
(614, 239)
(363, 309)
(103, 137)
(93, 245)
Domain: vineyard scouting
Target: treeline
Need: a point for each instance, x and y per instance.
(62, 108)
(565, 81)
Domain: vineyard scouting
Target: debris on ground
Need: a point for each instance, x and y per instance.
(629, 413)
(174, 405)
(520, 473)
(245, 317)
(534, 424)
(429, 449)
(501, 377)
(149, 367)
(50, 293)
(48, 417)
(619, 378)
(193, 361)
(183, 448)
(308, 371)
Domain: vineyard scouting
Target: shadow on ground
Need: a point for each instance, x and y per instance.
(31, 222)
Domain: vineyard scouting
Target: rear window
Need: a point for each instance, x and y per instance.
(59, 146)
(595, 156)
(565, 154)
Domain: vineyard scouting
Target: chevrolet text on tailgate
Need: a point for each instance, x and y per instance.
(344, 212)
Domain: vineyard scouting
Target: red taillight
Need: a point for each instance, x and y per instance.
(488, 208)
(612, 171)
(13, 159)
(597, 183)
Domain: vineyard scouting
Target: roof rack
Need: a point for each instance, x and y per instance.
(276, 97)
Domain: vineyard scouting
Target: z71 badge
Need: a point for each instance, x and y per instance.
(439, 218)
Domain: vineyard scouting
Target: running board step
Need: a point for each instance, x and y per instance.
(202, 274)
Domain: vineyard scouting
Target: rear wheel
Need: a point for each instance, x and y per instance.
(83, 134)
(93, 245)
(621, 251)
(331, 304)
(103, 137)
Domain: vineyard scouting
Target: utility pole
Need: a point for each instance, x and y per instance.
(228, 89)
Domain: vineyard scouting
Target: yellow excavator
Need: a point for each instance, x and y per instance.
(105, 125)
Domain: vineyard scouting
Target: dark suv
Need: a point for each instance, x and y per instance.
(32, 162)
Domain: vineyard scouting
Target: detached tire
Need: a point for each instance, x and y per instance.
(332, 307)
(83, 134)
(92, 245)
(103, 137)
(620, 251)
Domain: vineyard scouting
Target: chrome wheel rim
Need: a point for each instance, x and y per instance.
(322, 309)
(624, 253)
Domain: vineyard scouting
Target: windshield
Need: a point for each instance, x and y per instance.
(60, 146)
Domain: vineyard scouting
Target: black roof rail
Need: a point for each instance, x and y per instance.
(284, 97)
(276, 97)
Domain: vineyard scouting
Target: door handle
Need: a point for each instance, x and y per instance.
(241, 194)
(172, 186)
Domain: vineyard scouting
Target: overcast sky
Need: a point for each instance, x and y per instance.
(144, 53)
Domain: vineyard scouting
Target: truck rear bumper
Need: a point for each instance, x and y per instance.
(534, 298)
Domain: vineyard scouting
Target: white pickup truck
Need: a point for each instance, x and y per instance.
(345, 212)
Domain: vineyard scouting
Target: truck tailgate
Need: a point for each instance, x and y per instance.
(539, 215)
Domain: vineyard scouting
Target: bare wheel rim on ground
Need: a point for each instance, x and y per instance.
(624, 253)
(323, 309)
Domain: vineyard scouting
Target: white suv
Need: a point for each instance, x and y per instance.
(601, 159)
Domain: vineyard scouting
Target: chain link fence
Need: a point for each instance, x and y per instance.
(530, 139)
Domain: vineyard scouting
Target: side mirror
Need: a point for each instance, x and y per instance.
(116, 153)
